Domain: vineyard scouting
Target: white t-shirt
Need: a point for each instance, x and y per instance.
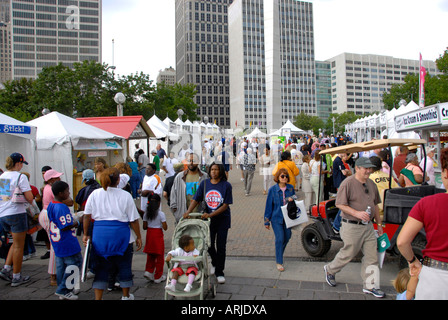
(112, 204)
(157, 222)
(152, 184)
(314, 168)
(8, 183)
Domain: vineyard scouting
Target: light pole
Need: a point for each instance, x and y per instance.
(334, 120)
(119, 99)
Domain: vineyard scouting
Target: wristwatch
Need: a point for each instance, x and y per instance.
(413, 259)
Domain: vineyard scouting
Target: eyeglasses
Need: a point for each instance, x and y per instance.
(284, 176)
(366, 190)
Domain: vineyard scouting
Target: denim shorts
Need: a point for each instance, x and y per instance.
(16, 223)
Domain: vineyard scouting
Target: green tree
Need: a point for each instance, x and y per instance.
(307, 122)
(16, 100)
(436, 87)
(88, 90)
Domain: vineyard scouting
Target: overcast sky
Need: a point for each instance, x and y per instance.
(144, 31)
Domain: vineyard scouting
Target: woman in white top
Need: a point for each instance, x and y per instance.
(266, 162)
(306, 184)
(315, 178)
(13, 217)
(114, 214)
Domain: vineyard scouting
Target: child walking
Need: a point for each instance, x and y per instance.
(405, 284)
(154, 221)
(186, 249)
(65, 244)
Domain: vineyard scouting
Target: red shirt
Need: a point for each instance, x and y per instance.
(399, 163)
(432, 212)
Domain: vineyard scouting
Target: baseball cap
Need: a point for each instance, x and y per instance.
(17, 157)
(364, 162)
(50, 174)
(87, 175)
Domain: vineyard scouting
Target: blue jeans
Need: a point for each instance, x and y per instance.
(337, 221)
(282, 236)
(66, 269)
(135, 183)
(104, 267)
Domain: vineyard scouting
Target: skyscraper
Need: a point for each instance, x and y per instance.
(202, 55)
(49, 32)
(272, 65)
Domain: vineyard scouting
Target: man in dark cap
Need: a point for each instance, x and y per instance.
(356, 195)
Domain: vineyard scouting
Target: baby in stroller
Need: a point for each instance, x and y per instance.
(186, 249)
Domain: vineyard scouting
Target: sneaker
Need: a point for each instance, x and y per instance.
(46, 255)
(330, 278)
(188, 287)
(336, 231)
(148, 275)
(161, 279)
(131, 297)
(21, 280)
(170, 287)
(67, 296)
(6, 275)
(375, 292)
(221, 279)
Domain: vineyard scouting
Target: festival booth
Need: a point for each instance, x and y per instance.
(163, 135)
(17, 136)
(431, 123)
(284, 133)
(132, 128)
(66, 144)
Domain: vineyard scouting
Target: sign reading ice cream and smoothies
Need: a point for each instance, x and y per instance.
(417, 119)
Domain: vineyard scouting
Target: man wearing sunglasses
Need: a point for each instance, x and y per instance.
(355, 194)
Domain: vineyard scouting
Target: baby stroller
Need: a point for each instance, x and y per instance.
(198, 229)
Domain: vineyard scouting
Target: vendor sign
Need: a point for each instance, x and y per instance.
(417, 119)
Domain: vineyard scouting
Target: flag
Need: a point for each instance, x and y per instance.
(422, 74)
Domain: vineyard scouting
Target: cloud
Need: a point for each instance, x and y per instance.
(443, 5)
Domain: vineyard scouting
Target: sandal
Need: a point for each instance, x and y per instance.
(280, 268)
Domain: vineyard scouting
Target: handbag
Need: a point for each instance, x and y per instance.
(18, 196)
(300, 216)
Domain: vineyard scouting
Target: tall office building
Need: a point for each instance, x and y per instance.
(49, 32)
(323, 89)
(202, 55)
(272, 66)
(358, 81)
(168, 76)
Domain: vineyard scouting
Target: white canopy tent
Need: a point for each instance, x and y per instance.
(59, 138)
(17, 136)
(288, 127)
(256, 133)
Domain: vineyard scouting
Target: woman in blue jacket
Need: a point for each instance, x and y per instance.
(278, 195)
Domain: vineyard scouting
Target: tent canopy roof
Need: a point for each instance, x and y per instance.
(15, 127)
(129, 127)
(56, 128)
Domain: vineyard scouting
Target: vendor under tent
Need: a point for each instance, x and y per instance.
(17, 136)
(66, 144)
(130, 127)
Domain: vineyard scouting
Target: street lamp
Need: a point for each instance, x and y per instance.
(119, 99)
(334, 120)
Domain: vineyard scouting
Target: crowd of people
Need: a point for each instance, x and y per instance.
(108, 216)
